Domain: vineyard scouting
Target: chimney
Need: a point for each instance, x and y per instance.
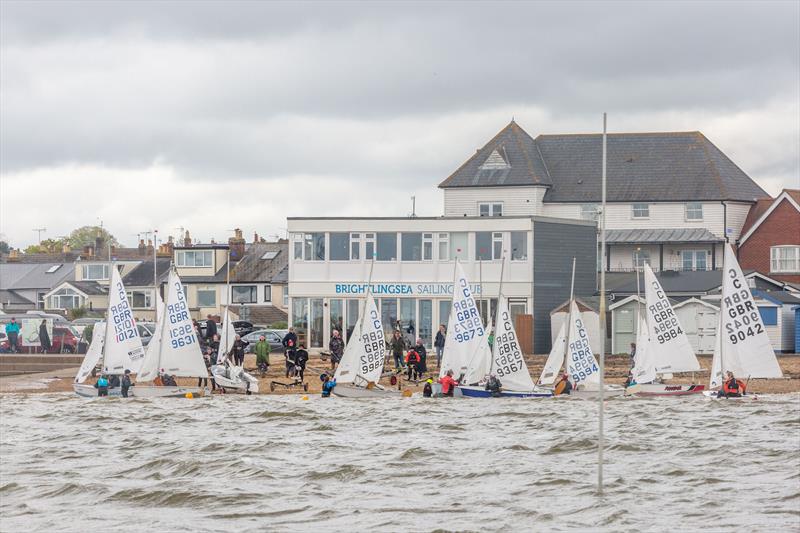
(187, 239)
(236, 244)
(13, 255)
(65, 248)
(149, 247)
(255, 237)
(98, 243)
(88, 251)
(142, 247)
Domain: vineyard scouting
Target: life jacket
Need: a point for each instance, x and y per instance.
(412, 357)
(102, 383)
(447, 384)
(733, 386)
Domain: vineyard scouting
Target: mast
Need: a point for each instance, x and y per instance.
(164, 318)
(602, 315)
(569, 312)
(499, 298)
(155, 276)
(108, 309)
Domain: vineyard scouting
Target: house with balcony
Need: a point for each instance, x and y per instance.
(673, 198)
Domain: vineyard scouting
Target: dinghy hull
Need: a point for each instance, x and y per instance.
(712, 394)
(165, 392)
(346, 390)
(663, 389)
(245, 384)
(480, 392)
(88, 391)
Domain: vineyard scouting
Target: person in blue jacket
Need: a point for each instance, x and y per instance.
(102, 385)
(328, 385)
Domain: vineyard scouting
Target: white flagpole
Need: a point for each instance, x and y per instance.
(601, 399)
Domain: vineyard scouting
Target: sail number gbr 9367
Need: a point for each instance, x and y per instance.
(509, 354)
(181, 331)
(373, 343)
(741, 316)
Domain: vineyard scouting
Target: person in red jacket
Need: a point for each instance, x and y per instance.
(733, 388)
(448, 383)
(412, 363)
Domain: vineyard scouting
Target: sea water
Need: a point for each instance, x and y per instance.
(281, 463)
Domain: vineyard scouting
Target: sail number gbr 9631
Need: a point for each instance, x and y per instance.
(741, 316)
(373, 345)
(181, 332)
(664, 322)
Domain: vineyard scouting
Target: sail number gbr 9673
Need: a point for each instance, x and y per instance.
(741, 316)
(373, 343)
(181, 332)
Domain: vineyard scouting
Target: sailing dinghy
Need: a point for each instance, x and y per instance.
(227, 376)
(360, 369)
(174, 348)
(119, 346)
(662, 347)
(743, 346)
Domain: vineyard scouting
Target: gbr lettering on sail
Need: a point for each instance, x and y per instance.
(372, 358)
(741, 319)
(468, 323)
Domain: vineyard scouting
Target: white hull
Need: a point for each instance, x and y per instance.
(663, 389)
(610, 391)
(164, 392)
(244, 382)
(347, 390)
(88, 391)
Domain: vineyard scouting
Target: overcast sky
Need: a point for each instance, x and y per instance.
(210, 116)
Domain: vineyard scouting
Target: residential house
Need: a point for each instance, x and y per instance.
(259, 283)
(23, 285)
(770, 241)
(672, 198)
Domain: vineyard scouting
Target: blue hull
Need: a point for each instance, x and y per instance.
(479, 392)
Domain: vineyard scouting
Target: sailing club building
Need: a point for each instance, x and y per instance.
(673, 200)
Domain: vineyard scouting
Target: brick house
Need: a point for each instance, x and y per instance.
(770, 241)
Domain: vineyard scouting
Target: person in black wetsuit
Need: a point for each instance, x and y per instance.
(126, 383)
(493, 385)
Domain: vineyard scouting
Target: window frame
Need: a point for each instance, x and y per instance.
(253, 291)
(286, 296)
(105, 276)
(635, 258)
(268, 293)
(338, 234)
(206, 289)
(355, 246)
(694, 253)
(775, 259)
(443, 239)
(370, 241)
(637, 206)
(148, 298)
(687, 210)
(524, 242)
(394, 257)
(180, 258)
(493, 209)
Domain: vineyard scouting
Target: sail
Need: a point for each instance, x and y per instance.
(466, 345)
(508, 364)
(159, 305)
(669, 346)
(152, 355)
(366, 350)
(644, 367)
(227, 335)
(746, 348)
(93, 354)
(556, 358)
(715, 380)
(123, 346)
(581, 364)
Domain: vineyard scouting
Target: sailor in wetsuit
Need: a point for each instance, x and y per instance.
(493, 385)
(732, 387)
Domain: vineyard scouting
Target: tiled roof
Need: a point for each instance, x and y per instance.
(261, 314)
(673, 235)
(687, 282)
(524, 164)
(91, 288)
(142, 275)
(761, 207)
(11, 297)
(34, 275)
(642, 167)
(253, 266)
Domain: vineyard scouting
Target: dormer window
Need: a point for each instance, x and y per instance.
(489, 209)
(496, 161)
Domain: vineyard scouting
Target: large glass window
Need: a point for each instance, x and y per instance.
(355, 246)
(487, 209)
(267, 293)
(387, 247)
(95, 272)
(336, 306)
(694, 259)
(389, 314)
(316, 322)
(369, 246)
(206, 296)
(340, 246)
(65, 298)
(352, 316)
(411, 246)
(785, 259)
(444, 312)
(444, 247)
(694, 211)
(640, 257)
(300, 318)
(314, 247)
(458, 246)
(488, 245)
(519, 245)
(140, 299)
(426, 322)
(640, 210)
(194, 258)
(244, 294)
(408, 319)
(488, 310)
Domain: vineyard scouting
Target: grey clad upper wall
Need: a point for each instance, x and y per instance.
(642, 167)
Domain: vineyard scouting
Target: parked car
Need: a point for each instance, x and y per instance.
(273, 336)
(241, 327)
(80, 323)
(63, 335)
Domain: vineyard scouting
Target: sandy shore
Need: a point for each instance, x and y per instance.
(616, 370)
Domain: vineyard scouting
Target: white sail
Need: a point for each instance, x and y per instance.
(669, 346)
(644, 368)
(122, 349)
(508, 364)
(466, 349)
(93, 354)
(581, 364)
(159, 305)
(152, 355)
(556, 358)
(746, 348)
(365, 352)
(715, 380)
(227, 335)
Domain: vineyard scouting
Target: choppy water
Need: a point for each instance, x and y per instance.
(284, 464)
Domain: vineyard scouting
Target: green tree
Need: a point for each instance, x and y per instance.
(47, 246)
(86, 236)
(4, 247)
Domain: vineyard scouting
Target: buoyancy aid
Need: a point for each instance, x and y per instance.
(734, 387)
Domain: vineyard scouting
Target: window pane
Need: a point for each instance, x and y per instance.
(497, 210)
(483, 245)
(687, 259)
(319, 246)
(426, 322)
(267, 293)
(427, 251)
(641, 210)
(483, 210)
(298, 250)
(340, 246)
(336, 306)
(285, 295)
(352, 317)
(355, 247)
(369, 250)
(458, 246)
(300, 318)
(206, 297)
(519, 245)
(389, 314)
(444, 311)
(694, 211)
(411, 246)
(408, 319)
(444, 247)
(244, 294)
(387, 247)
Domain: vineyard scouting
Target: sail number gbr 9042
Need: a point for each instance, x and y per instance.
(181, 332)
(741, 317)
(373, 345)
